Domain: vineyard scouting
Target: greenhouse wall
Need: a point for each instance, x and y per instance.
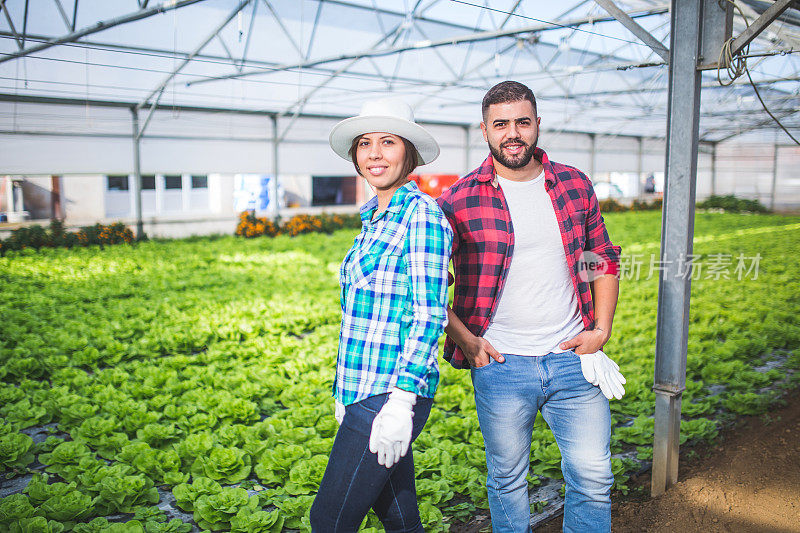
(85, 144)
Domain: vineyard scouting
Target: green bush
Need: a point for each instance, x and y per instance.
(732, 204)
(55, 236)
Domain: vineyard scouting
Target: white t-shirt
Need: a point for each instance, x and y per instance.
(538, 308)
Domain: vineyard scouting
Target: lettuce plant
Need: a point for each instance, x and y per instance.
(305, 476)
(14, 508)
(226, 465)
(37, 524)
(295, 510)
(123, 494)
(155, 521)
(275, 464)
(158, 435)
(102, 525)
(15, 451)
(247, 521)
(186, 494)
(64, 456)
(74, 414)
(68, 507)
(215, 511)
(193, 446)
(162, 466)
(23, 414)
(39, 490)
(91, 479)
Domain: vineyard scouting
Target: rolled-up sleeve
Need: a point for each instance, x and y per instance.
(597, 239)
(427, 254)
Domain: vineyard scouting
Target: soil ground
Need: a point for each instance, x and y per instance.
(749, 482)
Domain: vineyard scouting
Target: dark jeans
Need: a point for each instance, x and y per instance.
(354, 482)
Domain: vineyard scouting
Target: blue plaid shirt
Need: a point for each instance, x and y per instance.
(394, 297)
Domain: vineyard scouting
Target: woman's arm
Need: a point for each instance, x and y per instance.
(427, 255)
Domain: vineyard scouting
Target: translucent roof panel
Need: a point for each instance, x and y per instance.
(327, 57)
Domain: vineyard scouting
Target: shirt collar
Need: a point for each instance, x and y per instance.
(486, 172)
(395, 204)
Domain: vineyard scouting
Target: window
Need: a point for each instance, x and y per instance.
(117, 183)
(199, 182)
(333, 190)
(148, 183)
(173, 182)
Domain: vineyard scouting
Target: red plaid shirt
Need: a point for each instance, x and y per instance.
(483, 241)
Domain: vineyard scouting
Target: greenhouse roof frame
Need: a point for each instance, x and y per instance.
(440, 55)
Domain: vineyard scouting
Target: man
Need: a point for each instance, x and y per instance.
(536, 288)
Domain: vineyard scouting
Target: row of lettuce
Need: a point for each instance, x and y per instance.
(36, 237)
(56, 235)
(194, 376)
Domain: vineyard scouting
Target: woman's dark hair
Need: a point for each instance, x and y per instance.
(507, 91)
(409, 162)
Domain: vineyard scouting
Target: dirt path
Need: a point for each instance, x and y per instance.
(748, 483)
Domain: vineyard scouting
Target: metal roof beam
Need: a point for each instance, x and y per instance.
(635, 28)
(707, 85)
(752, 31)
(75, 16)
(283, 28)
(300, 104)
(422, 45)
(215, 58)
(166, 5)
(64, 16)
(240, 65)
(4, 9)
(160, 88)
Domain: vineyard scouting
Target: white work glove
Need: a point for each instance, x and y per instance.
(391, 429)
(601, 371)
(338, 411)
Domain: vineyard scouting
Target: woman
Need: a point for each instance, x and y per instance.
(394, 295)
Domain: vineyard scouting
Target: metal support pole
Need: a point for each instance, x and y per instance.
(275, 143)
(467, 151)
(774, 176)
(677, 230)
(137, 177)
(639, 167)
(713, 169)
(592, 153)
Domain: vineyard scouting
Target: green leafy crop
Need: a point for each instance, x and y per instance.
(203, 364)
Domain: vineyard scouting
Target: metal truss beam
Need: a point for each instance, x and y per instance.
(749, 128)
(635, 28)
(20, 40)
(283, 28)
(213, 58)
(707, 85)
(64, 16)
(766, 18)
(422, 45)
(166, 5)
(161, 86)
(300, 104)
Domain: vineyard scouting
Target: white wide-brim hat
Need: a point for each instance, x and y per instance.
(387, 115)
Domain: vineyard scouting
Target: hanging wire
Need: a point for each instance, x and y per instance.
(736, 65)
(567, 27)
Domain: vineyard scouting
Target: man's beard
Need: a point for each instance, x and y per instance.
(516, 161)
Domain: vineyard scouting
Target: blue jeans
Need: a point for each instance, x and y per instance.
(508, 396)
(354, 481)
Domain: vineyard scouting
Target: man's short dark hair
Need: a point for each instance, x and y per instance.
(507, 91)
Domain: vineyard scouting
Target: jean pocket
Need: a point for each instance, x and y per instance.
(373, 404)
(491, 362)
